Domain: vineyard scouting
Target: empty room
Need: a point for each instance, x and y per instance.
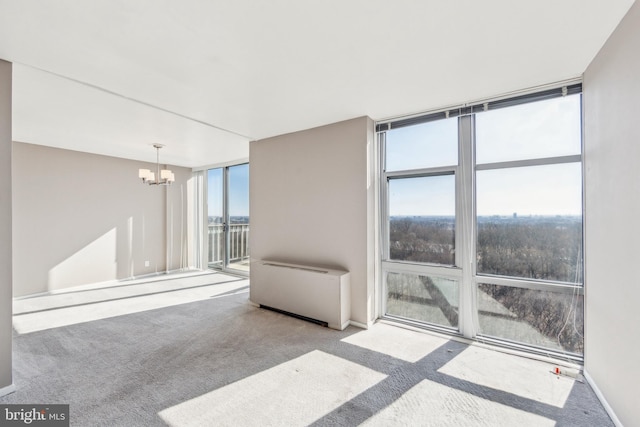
(319, 213)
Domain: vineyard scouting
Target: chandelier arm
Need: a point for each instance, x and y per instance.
(157, 179)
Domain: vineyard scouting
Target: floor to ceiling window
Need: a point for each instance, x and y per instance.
(228, 218)
(482, 230)
(421, 165)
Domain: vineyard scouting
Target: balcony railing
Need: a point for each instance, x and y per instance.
(238, 243)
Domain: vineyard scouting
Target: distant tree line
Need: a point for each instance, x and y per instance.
(423, 240)
(542, 249)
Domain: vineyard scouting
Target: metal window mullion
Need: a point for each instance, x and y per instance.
(576, 158)
(560, 287)
(415, 173)
(548, 352)
(539, 93)
(465, 218)
(584, 219)
(225, 212)
(384, 198)
(419, 324)
(422, 269)
(383, 206)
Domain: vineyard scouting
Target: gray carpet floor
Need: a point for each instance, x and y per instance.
(221, 361)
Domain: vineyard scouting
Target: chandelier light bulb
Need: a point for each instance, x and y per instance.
(165, 176)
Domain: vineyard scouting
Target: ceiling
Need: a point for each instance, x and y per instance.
(204, 77)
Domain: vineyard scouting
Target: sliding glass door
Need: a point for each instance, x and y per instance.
(216, 219)
(228, 218)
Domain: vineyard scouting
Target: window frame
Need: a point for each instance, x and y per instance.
(444, 271)
(466, 231)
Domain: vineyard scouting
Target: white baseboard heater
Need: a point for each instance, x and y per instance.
(318, 294)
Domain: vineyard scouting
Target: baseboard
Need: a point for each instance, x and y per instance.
(7, 390)
(602, 399)
(358, 325)
(143, 278)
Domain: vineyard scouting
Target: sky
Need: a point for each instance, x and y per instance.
(238, 191)
(536, 130)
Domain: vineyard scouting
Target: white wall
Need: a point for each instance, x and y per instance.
(311, 203)
(5, 227)
(612, 219)
(83, 218)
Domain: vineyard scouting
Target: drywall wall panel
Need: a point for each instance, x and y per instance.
(311, 203)
(179, 241)
(84, 218)
(612, 152)
(5, 226)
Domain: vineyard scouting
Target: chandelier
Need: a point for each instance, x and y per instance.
(164, 176)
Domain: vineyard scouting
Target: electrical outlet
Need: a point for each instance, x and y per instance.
(147, 263)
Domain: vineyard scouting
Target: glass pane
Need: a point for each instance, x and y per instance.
(530, 222)
(540, 318)
(424, 298)
(422, 219)
(425, 145)
(216, 218)
(536, 130)
(239, 217)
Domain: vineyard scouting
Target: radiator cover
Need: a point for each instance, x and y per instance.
(314, 292)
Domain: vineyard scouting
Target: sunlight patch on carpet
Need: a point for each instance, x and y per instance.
(83, 307)
(531, 379)
(397, 342)
(98, 292)
(294, 393)
(433, 404)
